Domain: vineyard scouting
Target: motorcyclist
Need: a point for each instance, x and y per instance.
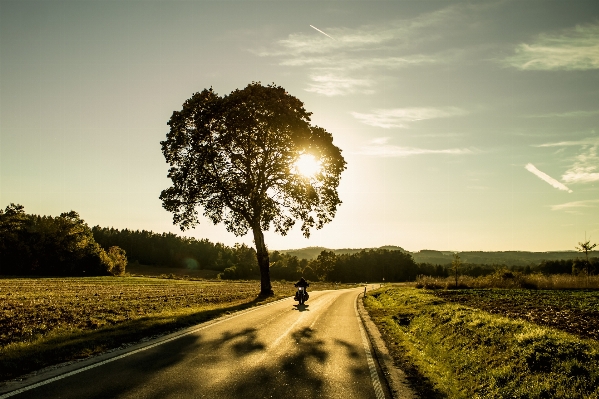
(302, 283)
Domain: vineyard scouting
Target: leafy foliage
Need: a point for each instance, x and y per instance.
(46, 245)
(235, 156)
(166, 249)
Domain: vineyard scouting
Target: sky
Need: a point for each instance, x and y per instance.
(465, 125)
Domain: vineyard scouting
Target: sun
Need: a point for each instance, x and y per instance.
(307, 166)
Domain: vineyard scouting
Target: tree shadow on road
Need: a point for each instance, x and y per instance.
(293, 373)
(246, 341)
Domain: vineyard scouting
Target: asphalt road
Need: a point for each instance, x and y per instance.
(279, 350)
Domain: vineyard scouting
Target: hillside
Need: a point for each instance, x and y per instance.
(508, 258)
(313, 252)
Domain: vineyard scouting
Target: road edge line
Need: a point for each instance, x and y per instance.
(396, 378)
(370, 359)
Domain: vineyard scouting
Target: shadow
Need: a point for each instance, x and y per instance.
(247, 342)
(301, 308)
(294, 375)
(196, 366)
(352, 352)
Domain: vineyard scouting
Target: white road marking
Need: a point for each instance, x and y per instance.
(376, 382)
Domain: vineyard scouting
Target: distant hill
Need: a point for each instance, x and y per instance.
(508, 258)
(313, 252)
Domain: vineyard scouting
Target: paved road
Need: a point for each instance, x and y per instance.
(276, 351)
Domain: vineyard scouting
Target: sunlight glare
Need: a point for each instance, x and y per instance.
(307, 165)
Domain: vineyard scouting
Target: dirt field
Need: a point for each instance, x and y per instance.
(573, 311)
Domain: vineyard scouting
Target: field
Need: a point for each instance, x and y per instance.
(145, 270)
(51, 320)
(576, 312)
(484, 343)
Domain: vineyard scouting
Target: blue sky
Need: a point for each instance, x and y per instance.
(465, 125)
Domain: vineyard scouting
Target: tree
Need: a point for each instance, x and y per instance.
(118, 260)
(586, 247)
(325, 263)
(46, 245)
(235, 157)
(456, 263)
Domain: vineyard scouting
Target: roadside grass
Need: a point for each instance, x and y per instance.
(469, 353)
(46, 321)
(509, 279)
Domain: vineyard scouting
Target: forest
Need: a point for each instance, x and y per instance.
(65, 245)
(53, 246)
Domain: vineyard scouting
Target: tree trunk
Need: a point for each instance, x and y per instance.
(263, 262)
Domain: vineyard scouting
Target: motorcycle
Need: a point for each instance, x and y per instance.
(301, 295)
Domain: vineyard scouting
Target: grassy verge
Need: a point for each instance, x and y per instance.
(48, 321)
(464, 352)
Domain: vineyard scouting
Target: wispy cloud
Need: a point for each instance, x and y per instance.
(575, 204)
(399, 117)
(380, 148)
(572, 49)
(571, 114)
(345, 63)
(582, 142)
(585, 169)
(368, 49)
(333, 85)
(546, 178)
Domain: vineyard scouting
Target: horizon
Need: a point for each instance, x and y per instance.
(465, 126)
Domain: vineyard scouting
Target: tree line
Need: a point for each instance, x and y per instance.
(53, 246)
(65, 245)
(240, 262)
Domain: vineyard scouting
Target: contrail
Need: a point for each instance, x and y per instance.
(545, 177)
(321, 31)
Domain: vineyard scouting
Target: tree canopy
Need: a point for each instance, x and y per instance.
(50, 246)
(235, 158)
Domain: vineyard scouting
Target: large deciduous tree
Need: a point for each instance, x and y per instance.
(236, 158)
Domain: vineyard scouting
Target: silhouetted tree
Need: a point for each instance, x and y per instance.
(586, 247)
(234, 157)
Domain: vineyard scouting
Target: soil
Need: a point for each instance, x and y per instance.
(575, 311)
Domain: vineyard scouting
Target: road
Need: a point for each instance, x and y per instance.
(279, 350)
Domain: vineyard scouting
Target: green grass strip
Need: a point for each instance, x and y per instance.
(469, 353)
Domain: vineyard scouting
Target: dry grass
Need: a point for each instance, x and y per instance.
(509, 279)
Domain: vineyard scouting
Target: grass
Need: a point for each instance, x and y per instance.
(509, 279)
(462, 352)
(45, 321)
(573, 311)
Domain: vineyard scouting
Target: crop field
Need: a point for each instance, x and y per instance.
(573, 311)
(492, 343)
(50, 320)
